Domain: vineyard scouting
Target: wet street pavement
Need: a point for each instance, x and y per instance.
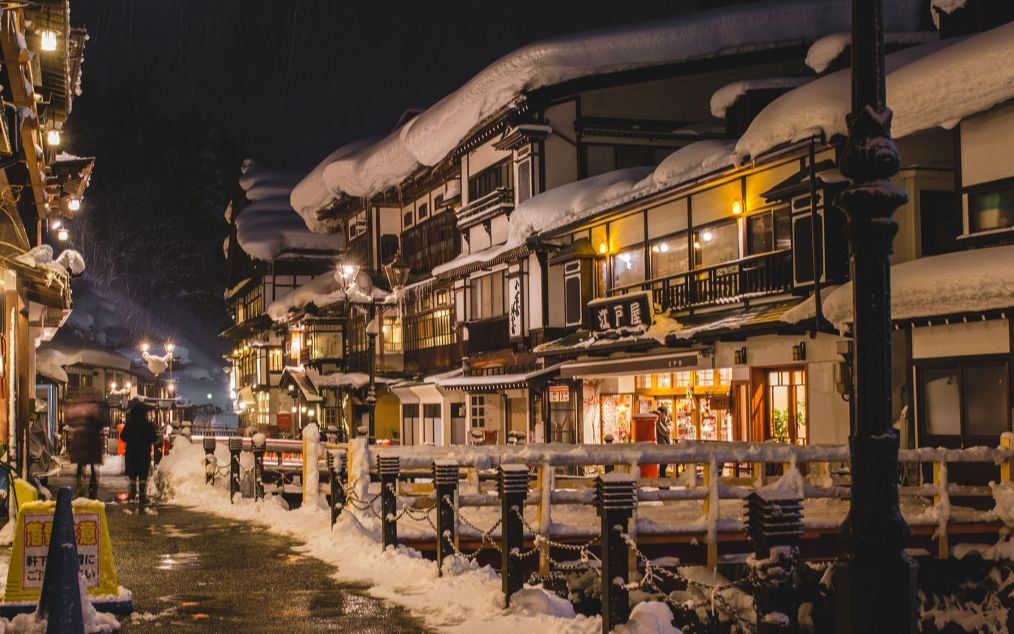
(192, 572)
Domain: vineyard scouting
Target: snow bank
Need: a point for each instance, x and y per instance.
(953, 283)
(432, 135)
(268, 226)
(467, 598)
(649, 617)
(933, 85)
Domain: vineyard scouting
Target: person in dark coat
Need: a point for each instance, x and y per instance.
(85, 421)
(139, 435)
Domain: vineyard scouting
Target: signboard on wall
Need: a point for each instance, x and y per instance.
(559, 393)
(625, 314)
(514, 314)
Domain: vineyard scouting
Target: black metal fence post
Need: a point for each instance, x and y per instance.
(774, 525)
(258, 455)
(512, 484)
(210, 468)
(235, 448)
(389, 467)
(616, 500)
(445, 483)
(336, 464)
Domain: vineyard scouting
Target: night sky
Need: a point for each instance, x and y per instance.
(294, 79)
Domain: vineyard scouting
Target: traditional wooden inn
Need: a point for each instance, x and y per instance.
(42, 56)
(270, 252)
(603, 242)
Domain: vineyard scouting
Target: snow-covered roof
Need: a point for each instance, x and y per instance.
(312, 193)
(936, 84)
(459, 380)
(428, 138)
(322, 290)
(268, 226)
(554, 208)
(727, 95)
(950, 284)
(827, 49)
(50, 363)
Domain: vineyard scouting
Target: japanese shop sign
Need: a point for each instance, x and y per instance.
(37, 529)
(559, 393)
(31, 548)
(625, 314)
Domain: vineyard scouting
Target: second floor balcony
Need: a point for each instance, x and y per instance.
(726, 283)
(499, 201)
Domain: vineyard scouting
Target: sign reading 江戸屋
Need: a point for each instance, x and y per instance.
(627, 314)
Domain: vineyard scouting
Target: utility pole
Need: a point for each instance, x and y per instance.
(875, 580)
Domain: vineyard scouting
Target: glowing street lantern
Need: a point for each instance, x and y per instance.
(48, 40)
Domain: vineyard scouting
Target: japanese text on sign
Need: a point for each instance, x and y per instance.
(629, 312)
(37, 530)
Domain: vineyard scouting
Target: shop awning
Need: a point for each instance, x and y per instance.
(495, 382)
(633, 365)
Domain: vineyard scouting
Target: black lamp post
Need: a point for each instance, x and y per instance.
(875, 580)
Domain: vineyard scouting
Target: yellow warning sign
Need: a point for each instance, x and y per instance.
(31, 547)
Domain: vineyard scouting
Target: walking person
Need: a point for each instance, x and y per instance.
(663, 433)
(139, 435)
(86, 419)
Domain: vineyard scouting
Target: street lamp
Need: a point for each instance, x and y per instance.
(347, 274)
(875, 581)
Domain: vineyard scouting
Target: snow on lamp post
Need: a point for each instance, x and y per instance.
(875, 580)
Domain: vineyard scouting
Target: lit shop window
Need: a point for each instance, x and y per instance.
(628, 267)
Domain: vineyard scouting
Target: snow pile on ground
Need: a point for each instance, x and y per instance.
(268, 226)
(432, 135)
(649, 617)
(933, 85)
(95, 622)
(467, 598)
(949, 284)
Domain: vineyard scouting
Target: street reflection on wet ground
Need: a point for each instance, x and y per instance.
(192, 572)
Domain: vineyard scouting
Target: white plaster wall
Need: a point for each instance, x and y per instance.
(984, 138)
(958, 340)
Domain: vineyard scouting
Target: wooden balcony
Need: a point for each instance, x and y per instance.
(487, 335)
(498, 201)
(726, 283)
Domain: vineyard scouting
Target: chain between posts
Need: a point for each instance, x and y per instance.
(717, 603)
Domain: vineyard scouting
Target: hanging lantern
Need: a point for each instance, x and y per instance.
(48, 38)
(74, 204)
(62, 234)
(53, 137)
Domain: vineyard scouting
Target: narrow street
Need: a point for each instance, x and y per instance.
(193, 572)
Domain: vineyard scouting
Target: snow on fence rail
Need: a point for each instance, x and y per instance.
(712, 473)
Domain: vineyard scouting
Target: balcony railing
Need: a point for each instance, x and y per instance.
(726, 283)
(498, 201)
(487, 335)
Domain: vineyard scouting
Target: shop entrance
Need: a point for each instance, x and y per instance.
(785, 400)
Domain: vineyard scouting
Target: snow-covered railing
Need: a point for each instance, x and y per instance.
(711, 473)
